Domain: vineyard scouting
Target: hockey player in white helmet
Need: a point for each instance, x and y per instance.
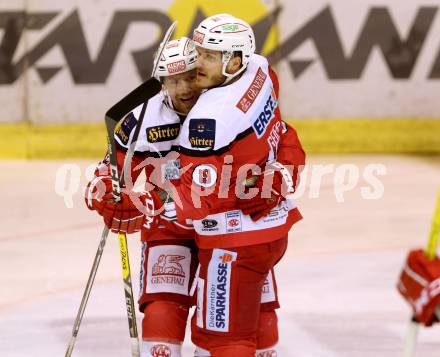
(235, 134)
(228, 38)
(169, 257)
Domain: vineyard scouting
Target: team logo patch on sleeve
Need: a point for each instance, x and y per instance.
(202, 133)
(218, 290)
(163, 132)
(124, 128)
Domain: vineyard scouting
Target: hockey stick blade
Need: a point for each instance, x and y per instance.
(136, 97)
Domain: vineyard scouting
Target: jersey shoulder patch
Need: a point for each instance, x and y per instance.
(202, 133)
(124, 129)
(161, 133)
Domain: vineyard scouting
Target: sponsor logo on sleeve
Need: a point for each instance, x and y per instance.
(176, 67)
(205, 175)
(202, 133)
(262, 121)
(273, 140)
(277, 214)
(168, 269)
(233, 222)
(163, 132)
(218, 290)
(252, 92)
(124, 128)
(209, 225)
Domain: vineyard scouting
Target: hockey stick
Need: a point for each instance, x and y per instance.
(139, 95)
(413, 328)
(133, 99)
(111, 120)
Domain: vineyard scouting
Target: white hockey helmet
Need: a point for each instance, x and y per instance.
(226, 33)
(178, 56)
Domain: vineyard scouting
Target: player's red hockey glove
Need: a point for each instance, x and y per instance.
(419, 284)
(127, 215)
(273, 186)
(161, 210)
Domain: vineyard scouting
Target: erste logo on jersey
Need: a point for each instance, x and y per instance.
(261, 123)
(163, 132)
(218, 290)
(202, 133)
(124, 128)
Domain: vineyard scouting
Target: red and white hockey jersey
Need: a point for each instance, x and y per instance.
(156, 153)
(230, 129)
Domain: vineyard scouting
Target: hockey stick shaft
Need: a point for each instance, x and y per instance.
(430, 251)
(148, 88)
(153, 88)
(87, 291)
(139, 95)
(128, 291)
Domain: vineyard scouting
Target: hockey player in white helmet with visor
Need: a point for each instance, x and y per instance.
(224, 35)
(235, 133)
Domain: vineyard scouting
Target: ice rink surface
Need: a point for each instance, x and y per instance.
(336, 281)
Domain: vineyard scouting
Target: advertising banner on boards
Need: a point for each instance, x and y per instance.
(68, 61)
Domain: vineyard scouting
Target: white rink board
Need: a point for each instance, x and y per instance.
(77, 68)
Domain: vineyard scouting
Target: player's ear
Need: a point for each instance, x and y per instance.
(234, 64)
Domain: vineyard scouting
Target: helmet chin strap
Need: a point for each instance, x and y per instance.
(226, 57)
(169, 102)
